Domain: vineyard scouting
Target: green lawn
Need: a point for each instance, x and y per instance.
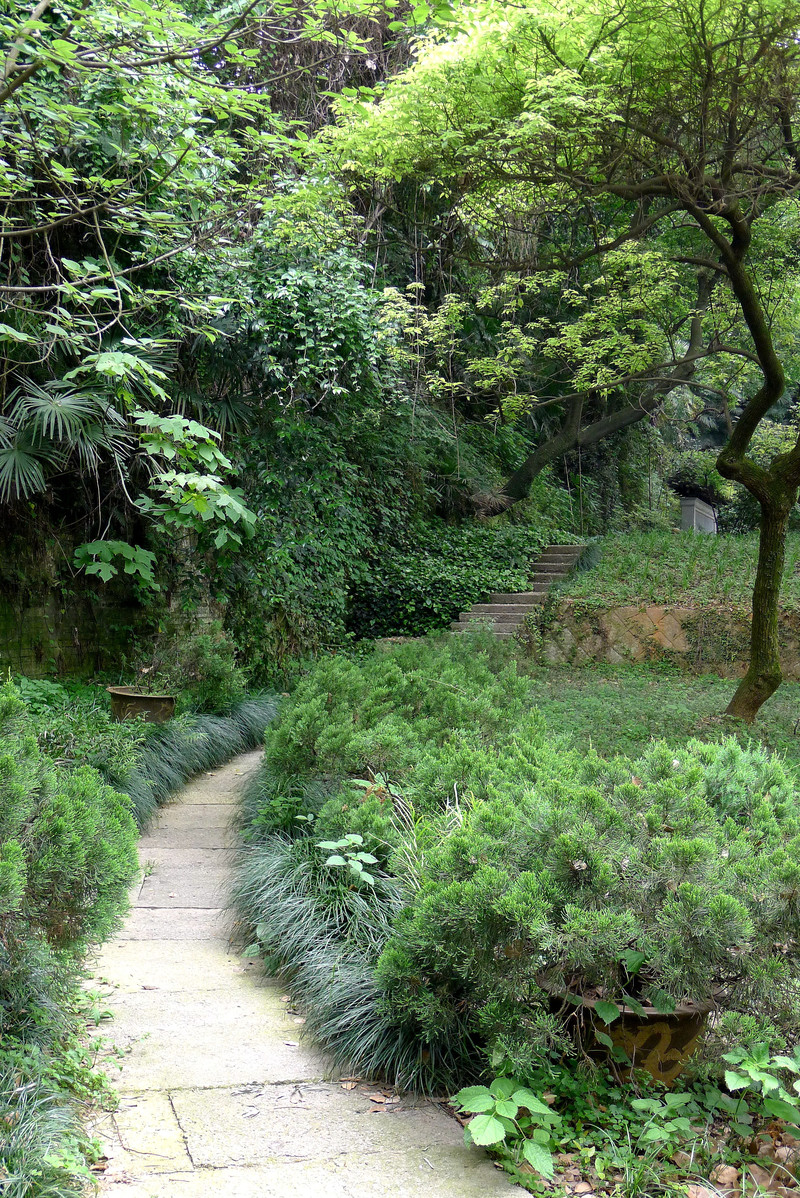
(618, 709)
(675, 567)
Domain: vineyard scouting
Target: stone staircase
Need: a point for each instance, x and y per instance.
(507, 612)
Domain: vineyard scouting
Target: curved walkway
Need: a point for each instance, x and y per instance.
(219, 1097)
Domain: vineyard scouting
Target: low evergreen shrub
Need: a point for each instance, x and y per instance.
(516, 873)
(67, 840)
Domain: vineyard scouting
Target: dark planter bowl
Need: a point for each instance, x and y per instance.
(660, 1044)
(127, 703)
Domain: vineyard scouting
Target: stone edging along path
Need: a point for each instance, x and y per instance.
(219, 1096)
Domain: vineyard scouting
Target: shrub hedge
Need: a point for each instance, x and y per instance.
(509, 865)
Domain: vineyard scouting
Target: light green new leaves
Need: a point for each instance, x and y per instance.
(509, 1114)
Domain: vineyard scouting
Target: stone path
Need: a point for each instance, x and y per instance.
(218, 1094)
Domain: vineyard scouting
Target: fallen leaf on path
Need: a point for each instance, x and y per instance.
(291, 1043)
(149, 987)
(377, 1097)
(299, 1019)
(285, 997)
(349, 1085)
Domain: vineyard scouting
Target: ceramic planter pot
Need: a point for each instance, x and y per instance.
(128, 703)
(660, 1044)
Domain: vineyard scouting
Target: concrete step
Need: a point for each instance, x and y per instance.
(500, 630)
(515, 617)
(532, 597)
(497, 609)
(541, 567)
(574, 549)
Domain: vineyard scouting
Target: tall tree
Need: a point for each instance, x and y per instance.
(667, 127)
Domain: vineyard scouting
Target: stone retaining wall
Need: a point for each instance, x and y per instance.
(703, 640)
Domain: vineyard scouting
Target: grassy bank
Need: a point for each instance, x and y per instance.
(675, 567)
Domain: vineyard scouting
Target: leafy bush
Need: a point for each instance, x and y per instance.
(67, 840)
(195, 662)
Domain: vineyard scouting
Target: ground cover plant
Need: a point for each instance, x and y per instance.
(446, 882)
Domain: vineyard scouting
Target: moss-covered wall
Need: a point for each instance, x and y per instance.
(42, 635)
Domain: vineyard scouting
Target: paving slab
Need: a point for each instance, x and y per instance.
(144, 1136)
(176, 886)
(252, 1125)
(164, 854)
(169, 965)
(437, 1172)
(177, 923)
(195, 815)
(202, 1038)
(186, 838)
(220, 1094)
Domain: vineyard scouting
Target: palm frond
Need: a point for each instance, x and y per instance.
(57, 411)
(22, 466)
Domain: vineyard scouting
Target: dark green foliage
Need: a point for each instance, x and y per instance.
(67, 840)
(195, 662)
(327, 936)
(67, 857)
(416, 590)
(687, 857)
(189, 745)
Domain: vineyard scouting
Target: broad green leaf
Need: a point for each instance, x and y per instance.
(603, 1038)
(782, 1109)
(474, 1100)
(502, 1087)
(539, 1158)
(736, 1081)
(507, 1108)
(530, 1101)
(7, 333)
(485, 1129)
(467, 1093)
(335, 859)
(633, 959)
(608, 1011)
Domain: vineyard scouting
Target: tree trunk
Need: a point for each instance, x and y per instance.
(764, 674)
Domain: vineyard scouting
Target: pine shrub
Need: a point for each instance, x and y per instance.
(516, 872)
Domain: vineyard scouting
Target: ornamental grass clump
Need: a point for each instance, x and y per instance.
(178, 750)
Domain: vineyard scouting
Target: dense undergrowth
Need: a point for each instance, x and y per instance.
(75, 787)
(489, 831)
